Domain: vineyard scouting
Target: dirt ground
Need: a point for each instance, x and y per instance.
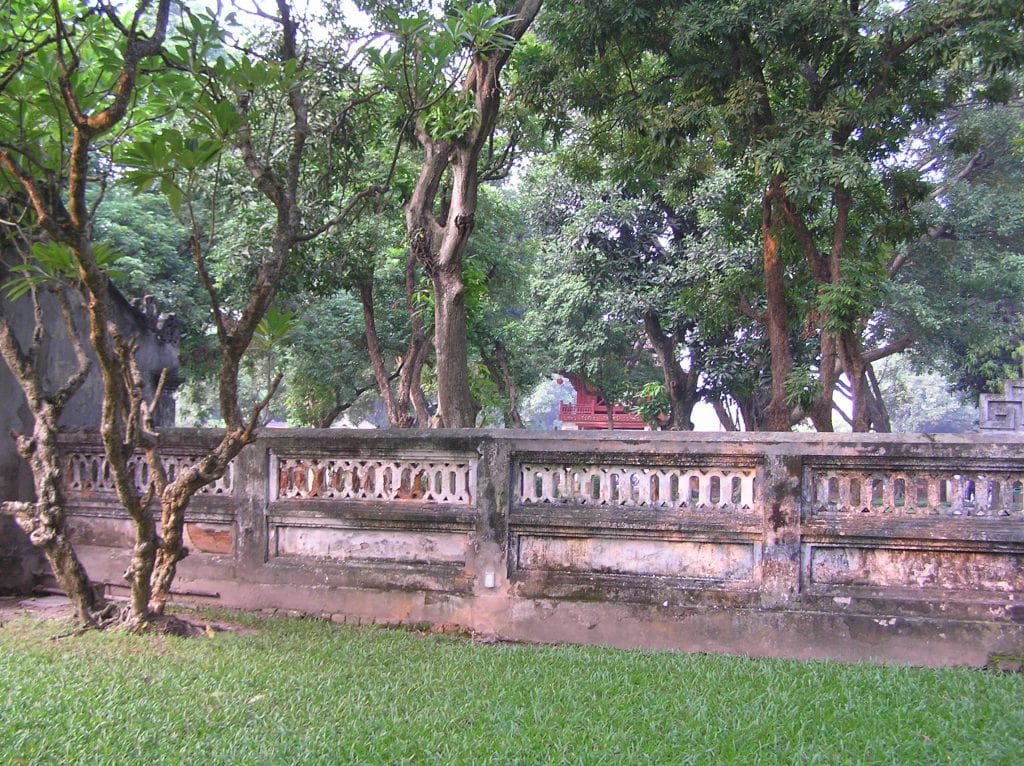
(44, 607)
(54, 607)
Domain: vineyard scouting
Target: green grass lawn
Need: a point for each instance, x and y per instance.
(301, 691)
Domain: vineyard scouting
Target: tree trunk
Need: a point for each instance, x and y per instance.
(409, 388)
(856, 372)
(175, 497)
(777, 413)
(880, 420)
(680, 385)
(396, 416)
(497, 367)
(44, 520)
(724, 416)
(456, 407)
(821, 408)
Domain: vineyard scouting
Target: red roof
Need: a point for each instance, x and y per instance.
(590, 412)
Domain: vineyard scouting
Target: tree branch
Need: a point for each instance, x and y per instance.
(902, 344)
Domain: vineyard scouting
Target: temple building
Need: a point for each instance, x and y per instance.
(590, 412)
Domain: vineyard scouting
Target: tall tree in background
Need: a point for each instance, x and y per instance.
(454, 116)
(957, 286)
(814, 103)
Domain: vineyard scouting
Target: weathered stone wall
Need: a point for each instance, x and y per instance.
(906, 548)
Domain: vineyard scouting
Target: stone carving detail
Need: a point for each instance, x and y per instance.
(1003, 412)
(90, 472)
(447, 481)
(669, 487)
(913, 493)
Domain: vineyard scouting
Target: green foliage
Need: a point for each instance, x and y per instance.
(651, 402)
(961, 288)
(273, 330)
(854, 296)
(801, 386)
(51, 263)
(422, 54)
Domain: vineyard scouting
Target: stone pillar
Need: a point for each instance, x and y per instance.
(251, 491)
(1003, 412)
(780, 562)
(489, 565)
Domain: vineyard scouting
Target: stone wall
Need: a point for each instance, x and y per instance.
(906, 548)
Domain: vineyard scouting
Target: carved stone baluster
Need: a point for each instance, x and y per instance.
(934, 493)
(956, 495)
(747, 490)
(643, 488)
(316, 478)
(1005, 507)
(605, 493)
(982, 502)
(703, 490)
(888, 501)
(547, 487)
(821, 484)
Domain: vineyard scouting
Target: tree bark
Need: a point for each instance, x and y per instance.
(396, 416)
(777, 413)
(456, 407)
(724, 417)
(409, 387)
(681, 385)
(821, 408)
(496, 363)
(44, 520)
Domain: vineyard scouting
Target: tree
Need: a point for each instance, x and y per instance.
(238, 102)
(51, 144)
(958, 286)
(499, 262)
(233, 102)
(814, 104)
(454, 115)
(43, 519)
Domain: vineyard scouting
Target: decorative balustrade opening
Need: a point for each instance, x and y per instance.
(425, 481)
(636, 487)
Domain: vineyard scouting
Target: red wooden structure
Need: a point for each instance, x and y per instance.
(590, 413)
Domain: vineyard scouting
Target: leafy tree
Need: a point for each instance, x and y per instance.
(814, 104)
(499, 261)
(235, 105)
(448, 74)
(581, 330)
(958, 287)
(57, 121)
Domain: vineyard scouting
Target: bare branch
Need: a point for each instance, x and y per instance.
(257, 410)
(373, 191)
(76, 379)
